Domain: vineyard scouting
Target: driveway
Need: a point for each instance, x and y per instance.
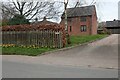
(99, 54)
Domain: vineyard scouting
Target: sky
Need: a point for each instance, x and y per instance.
(107, 10)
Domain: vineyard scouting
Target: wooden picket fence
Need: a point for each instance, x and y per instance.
(41, 35)
(41, 38)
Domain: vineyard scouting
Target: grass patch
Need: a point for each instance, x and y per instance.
(83, 39)
(24, 51)
(75, 40)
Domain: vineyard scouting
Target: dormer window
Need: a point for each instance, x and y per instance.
(83, 19)
(70, 19)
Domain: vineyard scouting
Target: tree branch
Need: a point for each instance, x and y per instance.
(15, 6)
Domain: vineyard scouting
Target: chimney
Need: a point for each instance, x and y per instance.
(44, 19)
(114, 20)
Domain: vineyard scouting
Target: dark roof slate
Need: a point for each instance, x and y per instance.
(113, 23)
(80, 11)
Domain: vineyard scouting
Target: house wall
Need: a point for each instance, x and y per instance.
(76, 24)
(94, 24)
(114, 30)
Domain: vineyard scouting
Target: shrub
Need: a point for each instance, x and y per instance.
(17, 20)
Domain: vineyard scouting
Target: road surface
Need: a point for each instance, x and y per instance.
(95, 60)
(26, 70)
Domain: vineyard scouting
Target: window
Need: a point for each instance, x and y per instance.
(83, 28)
(70, 28)
(69, 19)
(83, 19)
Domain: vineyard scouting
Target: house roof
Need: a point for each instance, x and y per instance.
(115, 23)
(80, 11)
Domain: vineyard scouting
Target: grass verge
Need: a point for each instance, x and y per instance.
(23, 51)
(75, 40)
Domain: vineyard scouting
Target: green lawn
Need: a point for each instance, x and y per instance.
(30, 51)
(83, 39)
(24, 51)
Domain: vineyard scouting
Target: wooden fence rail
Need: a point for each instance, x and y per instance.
(41, 38)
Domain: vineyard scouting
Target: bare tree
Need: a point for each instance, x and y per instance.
(7, 11)
(30, 9)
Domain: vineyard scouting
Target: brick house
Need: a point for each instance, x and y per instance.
(113, 26)
(81, 20)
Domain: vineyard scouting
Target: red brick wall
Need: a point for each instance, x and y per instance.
(75, 22)
(94, 23)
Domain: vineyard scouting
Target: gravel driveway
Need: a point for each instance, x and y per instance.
(102, 54)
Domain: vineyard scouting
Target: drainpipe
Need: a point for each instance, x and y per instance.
(91, 25)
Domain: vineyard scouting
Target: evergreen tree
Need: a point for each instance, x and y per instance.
(18, 19)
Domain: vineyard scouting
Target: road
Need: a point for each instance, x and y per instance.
(95, 60)
(26, 70)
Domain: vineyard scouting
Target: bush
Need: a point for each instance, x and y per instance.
(3, 22)
(17, 20)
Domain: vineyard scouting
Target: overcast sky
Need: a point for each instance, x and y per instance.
(107, 10)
